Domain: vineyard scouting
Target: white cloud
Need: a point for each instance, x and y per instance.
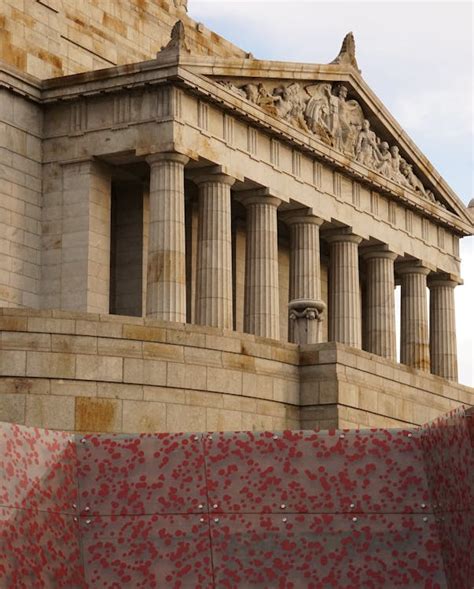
(450, 106)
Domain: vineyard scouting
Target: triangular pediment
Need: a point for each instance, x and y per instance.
(334, 106)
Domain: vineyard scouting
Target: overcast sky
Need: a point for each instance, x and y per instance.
(416, 56)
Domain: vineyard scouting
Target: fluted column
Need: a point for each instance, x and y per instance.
(380, 303)
(261, 308)
(305, 306)
(344, 289)
(166, 268)
(214, 264)
(414, 337)
(443, 351)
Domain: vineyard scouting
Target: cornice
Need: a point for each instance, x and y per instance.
(20, 83)
(296, 138)
(195, 74)
(283, 71)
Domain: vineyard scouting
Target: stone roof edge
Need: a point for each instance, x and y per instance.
(250, 68)
(20, 83)
(463, 223)
(194, 71)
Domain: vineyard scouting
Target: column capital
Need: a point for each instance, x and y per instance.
(214, 179)
(261, 200)
(378, 251)
(301, 217)
(444, 279)
(259, 196)
(167, 156)
(344, 234)
(210, 174)
(412, 267)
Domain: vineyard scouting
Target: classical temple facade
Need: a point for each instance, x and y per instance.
(199, 240)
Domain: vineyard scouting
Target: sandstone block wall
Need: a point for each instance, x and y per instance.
(356, 389)
(21, 124)
(49, 38)
(89, 372)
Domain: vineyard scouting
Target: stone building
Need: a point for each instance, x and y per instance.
(193, 239)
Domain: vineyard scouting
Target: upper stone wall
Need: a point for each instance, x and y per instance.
(50, 38)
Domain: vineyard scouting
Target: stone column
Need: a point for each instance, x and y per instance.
(305, 307)
(344, 288)
(380, 303)
(414, 337)
(166, 268)
(214, 264)
(262, 309)
(443, 351)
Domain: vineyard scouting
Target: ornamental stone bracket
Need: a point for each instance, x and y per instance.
(306, 316)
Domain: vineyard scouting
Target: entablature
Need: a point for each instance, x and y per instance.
(204, 77)
(211, 92)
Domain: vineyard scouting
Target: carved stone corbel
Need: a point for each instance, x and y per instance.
(306, 316)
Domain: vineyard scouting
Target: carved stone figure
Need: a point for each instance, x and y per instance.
(366, 145)
(234, 88)
(384, 159)
(178, 39)
(251, 92)
(395, 173)
(290, 104)
(430, 195)
(331, 113)
(326, 112)
(317, 112)
(336, 122)
(415, 183)
(259, 95)
(350, 120)
(181, 5)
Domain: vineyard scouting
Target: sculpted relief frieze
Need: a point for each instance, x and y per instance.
(324, 110)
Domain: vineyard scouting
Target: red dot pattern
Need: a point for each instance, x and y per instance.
(37, 468)
(449, 458)
(343, 509)
(322, 551)
(378, 471)
(39, 550)
(147, 551)
(140, 475)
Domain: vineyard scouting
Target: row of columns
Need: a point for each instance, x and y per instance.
(166, 293)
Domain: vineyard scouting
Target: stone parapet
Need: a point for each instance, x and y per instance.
(89, 372)
(344, 387)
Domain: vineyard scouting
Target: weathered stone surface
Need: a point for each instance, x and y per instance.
(55, 38)
(139, 416)
(335, 375)
(98, 415)
(205, 187)
(51, 412)
(12, 408)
